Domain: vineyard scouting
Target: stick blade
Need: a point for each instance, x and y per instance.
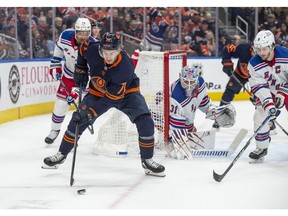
(71, 182)
(217, 177)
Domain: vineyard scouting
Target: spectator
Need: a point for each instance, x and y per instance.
(70, 21)
(159, 23)
(10, 21)
(210, 21)
(23, 28)
(58, 24)
(211, 42)
(43, 28)
(172, 36)
(39, 48)
(270, 24)
(125, 23)
(236, 39)
(281, 36)
(116, 22)
(12, 33)
(133, 29)
(221, 44)
(279, 14)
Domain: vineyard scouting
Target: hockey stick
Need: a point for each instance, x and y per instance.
(75, 142)
(218, 177)
(68, 94)
(281, 127)
(224, 152)
(243, 86)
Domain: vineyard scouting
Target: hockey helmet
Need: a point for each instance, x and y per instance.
(83, 24)
(97, 24)
(110, 41)
(264, 38)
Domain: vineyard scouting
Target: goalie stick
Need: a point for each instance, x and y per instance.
(221, 152)
(217, 177)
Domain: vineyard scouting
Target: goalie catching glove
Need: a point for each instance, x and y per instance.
(223, 115)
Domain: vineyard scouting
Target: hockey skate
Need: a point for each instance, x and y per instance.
(273, 130)
(258, 155)
(152, 168)
(215, 125)
(53, 162)
(52, 136)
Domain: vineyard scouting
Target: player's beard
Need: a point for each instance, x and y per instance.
(268, 56)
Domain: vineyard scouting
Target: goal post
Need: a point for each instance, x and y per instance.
(156, 71)
(166, 74)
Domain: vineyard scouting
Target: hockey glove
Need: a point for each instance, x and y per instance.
(55, 69)
(81, 76)
(84, 115)
(279, 100)
(73, 96)
(273, 113)
(227, 66)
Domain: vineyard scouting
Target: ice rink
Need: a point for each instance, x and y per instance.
(120, 183)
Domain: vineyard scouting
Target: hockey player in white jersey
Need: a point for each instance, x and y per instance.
(66, 48)
(268, 78)
(187, 94)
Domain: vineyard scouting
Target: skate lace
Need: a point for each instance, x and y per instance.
(56, 157)
(152, 163)
(258, 151)
(53, 134)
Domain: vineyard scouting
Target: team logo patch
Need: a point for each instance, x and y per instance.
(14, 84)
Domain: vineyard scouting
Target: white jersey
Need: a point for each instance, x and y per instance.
(67, 48)
(266, 77)
(183, 108)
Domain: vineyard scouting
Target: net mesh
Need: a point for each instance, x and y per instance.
(117, 135)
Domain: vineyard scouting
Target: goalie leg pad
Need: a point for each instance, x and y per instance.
(180, 148)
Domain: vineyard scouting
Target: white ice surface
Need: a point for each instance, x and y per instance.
(120, 183)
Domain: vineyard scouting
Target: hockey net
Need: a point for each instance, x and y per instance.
(156, 70)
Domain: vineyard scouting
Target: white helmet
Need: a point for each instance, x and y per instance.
(83, 24)
(264, 38)
(189, 77)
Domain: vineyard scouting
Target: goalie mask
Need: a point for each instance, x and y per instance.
(223, 115)
(189, 76)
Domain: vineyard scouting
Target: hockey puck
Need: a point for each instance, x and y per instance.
(81, 191)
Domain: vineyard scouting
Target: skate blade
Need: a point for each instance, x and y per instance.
(49, 167)
(215, 129)
(255, 161)
(150, 173)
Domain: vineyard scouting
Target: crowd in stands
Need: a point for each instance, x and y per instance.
(162, 27)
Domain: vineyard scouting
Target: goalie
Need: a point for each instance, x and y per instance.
(187, 94)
